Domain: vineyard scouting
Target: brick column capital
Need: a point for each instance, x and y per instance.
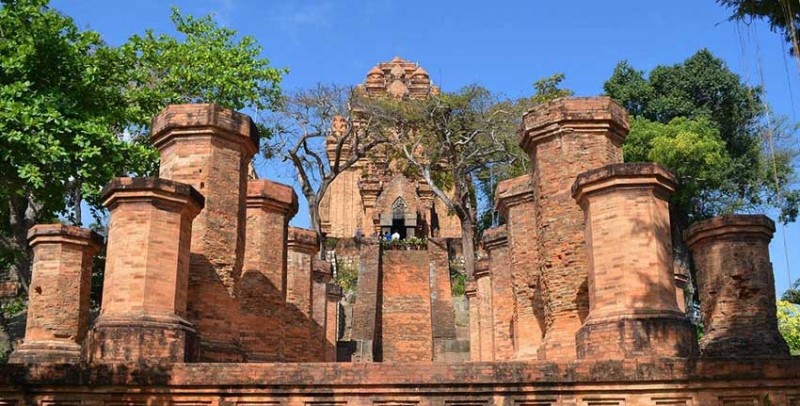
(302, 240)
(582, 114)
(759, 227)
(64, 234)
(470, 289)
(272, 196)
(623, 176)
(192, 120)
(495, 238)
(481, 268)
(159, 190)
(512, 192)
(333, 292)
(321, 270)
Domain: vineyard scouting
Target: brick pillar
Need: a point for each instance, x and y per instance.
(333, 296)
(564, 138)
(443, 318)
(142, 317)
(321, 275)
(58, 301)
(483, 283)
(736, 286)
(210, 148)
(471, 292)
(631, 280)
(297, 317)
(516, 202)
(495, 240)
(262, 287)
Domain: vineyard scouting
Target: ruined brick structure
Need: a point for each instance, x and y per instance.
(211, 298)
(373, 195)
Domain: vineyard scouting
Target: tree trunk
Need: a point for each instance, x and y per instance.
(468, 246)
(22, 218)
(682, 256)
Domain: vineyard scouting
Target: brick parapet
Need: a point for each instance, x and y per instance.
(641, 381)
(58, 302)
(736, 286)
(142, 317)
(581, 114)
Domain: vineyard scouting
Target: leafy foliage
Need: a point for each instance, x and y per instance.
(792, 295)
(789, 324)
(447, 139)
(346, 277)
(782, 15)
(720, 118)
(208, 65)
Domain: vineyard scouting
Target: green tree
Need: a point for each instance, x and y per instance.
(789, 324)
(73, 110)
(792, 295)
(206, 63)
(717, 107)
(447, 139)
(782, 15)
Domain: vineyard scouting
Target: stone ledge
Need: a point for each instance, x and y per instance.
(64, 233)
(362, 376)
(269, 194)
(511, 192)
(198, 116)
(756, 224)
(160, 186)
(303, 240)
(623, 175)
(578, 113)
(495, 238)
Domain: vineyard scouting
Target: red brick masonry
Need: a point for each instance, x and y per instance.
(633, 382)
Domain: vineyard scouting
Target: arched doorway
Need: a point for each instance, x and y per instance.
(399, 217)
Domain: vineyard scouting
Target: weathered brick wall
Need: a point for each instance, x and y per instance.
(366, 323)
(58, 301)
(737, 286)
(495, 240)
(633, 311)
(443, 317)
(299, 345)
(210, 148)
(142, 317)
(262, 287)
(516, 202)
(483, 286)
(319, 307)
(638, 382)
(333, 295)
(406, 332)
(564, 138)
(471, 292)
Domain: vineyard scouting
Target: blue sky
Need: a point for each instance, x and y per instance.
(504, 46)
